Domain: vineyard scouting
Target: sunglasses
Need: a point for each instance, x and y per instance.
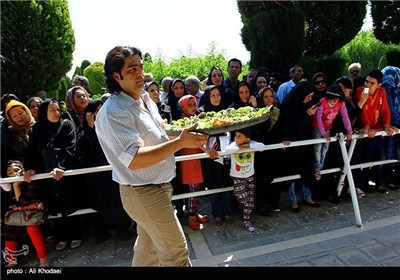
(354, 71)
(317, 83)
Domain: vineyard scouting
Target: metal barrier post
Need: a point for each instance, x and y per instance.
(347, 170)
(343, 174)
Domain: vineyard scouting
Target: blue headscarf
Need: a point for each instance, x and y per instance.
(390, 81)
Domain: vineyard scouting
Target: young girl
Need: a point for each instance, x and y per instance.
(23, 195)
(191, 173)
(331, 106)
(242, 171)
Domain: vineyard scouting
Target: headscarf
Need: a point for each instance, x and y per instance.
(15, 126)
(147, 85)
(46, 126)
(6, 98)
(297, 124)
(183, 101)
(93, 105)
(208, 107)
(237, 103)
(70, 98)
(390, 81)
(172, 100)
(298, 93)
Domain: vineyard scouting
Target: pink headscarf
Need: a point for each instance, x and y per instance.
(183, 101)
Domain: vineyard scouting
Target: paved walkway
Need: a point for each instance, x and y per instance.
(315, 237)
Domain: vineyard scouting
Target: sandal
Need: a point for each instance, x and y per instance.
(192, 223)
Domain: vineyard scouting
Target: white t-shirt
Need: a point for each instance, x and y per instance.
(242, 164)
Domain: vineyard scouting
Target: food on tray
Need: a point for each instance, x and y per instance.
(222, 121)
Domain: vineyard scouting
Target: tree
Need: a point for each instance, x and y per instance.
(95, 74)
(386, 21)
(37, 43)
(331, 24)
(366, 49)
(186, 65)
(275, 38)
(279, 34)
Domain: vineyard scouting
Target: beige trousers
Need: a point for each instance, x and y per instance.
(160, 239)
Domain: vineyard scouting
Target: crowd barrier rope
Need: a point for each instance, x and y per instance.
(345, 170)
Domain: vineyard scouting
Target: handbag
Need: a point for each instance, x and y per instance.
(32, 214)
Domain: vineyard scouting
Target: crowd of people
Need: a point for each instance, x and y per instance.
(125, 129)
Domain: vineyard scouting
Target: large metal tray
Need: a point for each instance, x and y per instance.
(224, 128)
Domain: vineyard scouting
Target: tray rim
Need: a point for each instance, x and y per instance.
(224, 128)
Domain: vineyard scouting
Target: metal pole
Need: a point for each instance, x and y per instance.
(347, 170)
(343, 174)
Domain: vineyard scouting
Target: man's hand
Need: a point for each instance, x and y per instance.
(190, 139)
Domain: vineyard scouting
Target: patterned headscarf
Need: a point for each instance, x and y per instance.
(390, 81)
(70, 97)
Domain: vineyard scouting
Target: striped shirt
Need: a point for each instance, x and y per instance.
(123, 125)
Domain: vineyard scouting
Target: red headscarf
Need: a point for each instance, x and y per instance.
(183, 101)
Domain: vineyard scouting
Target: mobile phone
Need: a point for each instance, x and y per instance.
(318, 104)
(366, 91)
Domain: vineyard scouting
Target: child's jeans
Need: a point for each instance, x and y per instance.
(320, 150)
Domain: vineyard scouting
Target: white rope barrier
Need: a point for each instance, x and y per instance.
(346, 170)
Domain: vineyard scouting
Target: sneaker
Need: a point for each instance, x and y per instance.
(61, 245)
(275, 207)
(249, 227)
(359, 192)
(76, 244)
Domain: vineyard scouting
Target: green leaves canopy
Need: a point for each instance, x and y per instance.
(37, 43)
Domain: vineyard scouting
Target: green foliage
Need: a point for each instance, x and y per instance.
(147, 57)
(386, 17)
(382, 63)
(185, 66)
(95, 74)
(366, 49)
(332, 66)
(65, 84)
(84, 65)
(331, 24)
(275, 38)
(37, 43)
